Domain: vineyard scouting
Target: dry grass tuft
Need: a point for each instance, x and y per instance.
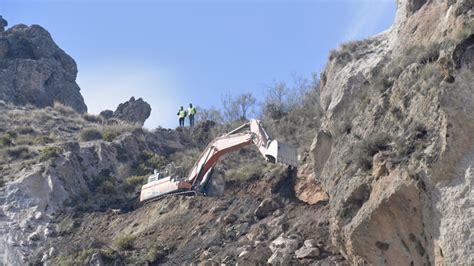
(64, 109)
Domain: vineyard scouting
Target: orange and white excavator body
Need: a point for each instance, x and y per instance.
(249, 133)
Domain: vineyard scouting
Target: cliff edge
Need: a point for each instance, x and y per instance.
(395, 151)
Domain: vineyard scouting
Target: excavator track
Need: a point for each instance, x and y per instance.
(182, 193)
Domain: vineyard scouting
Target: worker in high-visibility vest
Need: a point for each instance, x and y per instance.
(181, 115)
(191, 113)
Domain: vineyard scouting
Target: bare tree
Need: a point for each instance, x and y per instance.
(238, 107)
(208, 114)
(277, 99)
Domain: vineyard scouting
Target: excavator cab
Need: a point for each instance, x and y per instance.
(157, 175)
(169, 171)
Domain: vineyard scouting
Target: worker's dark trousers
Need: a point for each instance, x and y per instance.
(191, 120)
(181, 121)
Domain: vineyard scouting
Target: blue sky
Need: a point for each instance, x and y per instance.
(175, 52)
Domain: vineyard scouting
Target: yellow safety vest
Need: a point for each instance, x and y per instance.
(192, 111)
(182, 113)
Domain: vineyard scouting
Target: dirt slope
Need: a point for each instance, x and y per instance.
(183, 229)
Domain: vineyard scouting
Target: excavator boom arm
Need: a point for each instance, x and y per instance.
(254, 133)
(216, 149)
(249, 133)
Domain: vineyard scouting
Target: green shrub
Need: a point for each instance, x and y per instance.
(111, 132)
(92, 118)
(43, 140)
(107, 187)
(467, 30)
(419, 54)
(150, 161)
(6, 140)
(89, 134)
(49, 153)
(66, 225)
(185, 159)
(136, 180)
(124, 242)
(365, 150)
(24, 140)
(109, 254)
(41, 116)
(65, 261)
(109, 135)
(85, 254)
(297, 111)
(24, 130)
(20, 152)
(347, 52)
(432, 75)
(122, 153)
(246, 171)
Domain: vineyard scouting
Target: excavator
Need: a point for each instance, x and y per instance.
(164, 183)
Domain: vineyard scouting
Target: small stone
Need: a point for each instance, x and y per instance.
(379, 165)
(279, 258)
(230, 219)
(38, 215)
(307, 252)
(278, 212)
(227, 260)
(48, 232)
(96, 260)
(205, 254)
(241, 229)
(287, 245)
(244, 253)
(294, 236)
(24, 224)
(52, 251)
(44, 258)
(310, 243)
(217, 209)
(34, 236)
(265, 208)
(151, 232)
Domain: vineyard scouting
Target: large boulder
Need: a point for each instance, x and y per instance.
(34, 70)
(132, 111)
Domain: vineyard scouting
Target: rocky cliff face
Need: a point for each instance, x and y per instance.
(34, 70)
(53, 161)
(396, 150)
(388, 180)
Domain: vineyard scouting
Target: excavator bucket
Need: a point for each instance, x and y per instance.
(282, 153)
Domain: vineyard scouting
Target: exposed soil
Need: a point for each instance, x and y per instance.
(184, 229)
